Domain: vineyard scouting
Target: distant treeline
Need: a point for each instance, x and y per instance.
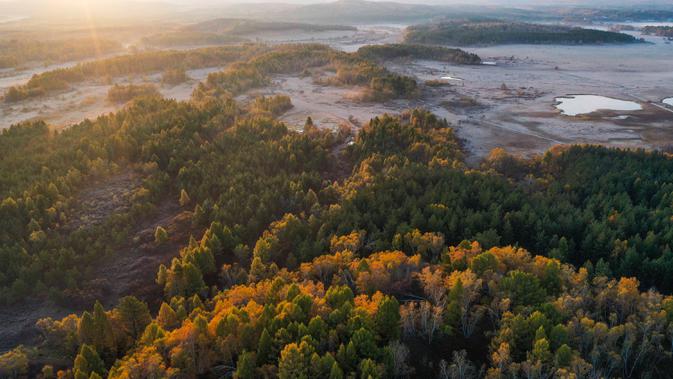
(662, 31)
(463, 33)
(617, 15)
(17, 52)
(236, 26)
(228, 30)
(188, 38)
(392, 51)
(133, 64)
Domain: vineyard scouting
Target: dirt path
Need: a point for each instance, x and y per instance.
(130, 271)
(133, 269)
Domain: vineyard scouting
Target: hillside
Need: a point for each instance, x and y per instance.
(293, 275)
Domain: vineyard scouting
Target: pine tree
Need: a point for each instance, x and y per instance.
(193, 279)
(245, 366)
(88, 361)
(152, 333)
(291, 364)
(387, 319)
(104, 340)
(167, 317)
(162, 276)
(563, 356)
(160, 235)
(264, 347)
(85, 329)
(336, 372)
(184, 198)
(368, 369)
(134, 315)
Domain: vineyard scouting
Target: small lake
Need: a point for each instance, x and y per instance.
(574, 105)
(668, 101)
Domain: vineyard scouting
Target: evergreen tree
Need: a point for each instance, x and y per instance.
(104, 340)
(184, 198)
(167, 317)
(86, 329)
(292, 363)
(134, 315)
(264, 348)
(336, 372)
(88, 361)
(245, 366)
(387, 319)
(160, 235)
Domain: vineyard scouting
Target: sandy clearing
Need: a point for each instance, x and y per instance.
(89, 100)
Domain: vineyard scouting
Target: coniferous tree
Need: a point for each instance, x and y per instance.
(134, 315)
(264, 348)
(245, 366)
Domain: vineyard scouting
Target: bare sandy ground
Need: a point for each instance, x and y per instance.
(328, 106)
(88, 100)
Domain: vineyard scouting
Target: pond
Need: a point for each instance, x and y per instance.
(573, 105)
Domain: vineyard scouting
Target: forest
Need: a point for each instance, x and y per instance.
(332, 254)
(494, 32)
(395, 51)
(19, 51)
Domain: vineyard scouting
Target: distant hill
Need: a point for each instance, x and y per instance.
(237, 26)
(228, 30)
(362, 11)
(465, 33)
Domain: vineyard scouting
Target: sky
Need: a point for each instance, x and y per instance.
(438, 2)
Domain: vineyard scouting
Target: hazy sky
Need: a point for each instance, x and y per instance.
(201, 3)
(446, 2)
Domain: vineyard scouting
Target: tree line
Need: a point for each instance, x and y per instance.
(494, 32)
(21, 51)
